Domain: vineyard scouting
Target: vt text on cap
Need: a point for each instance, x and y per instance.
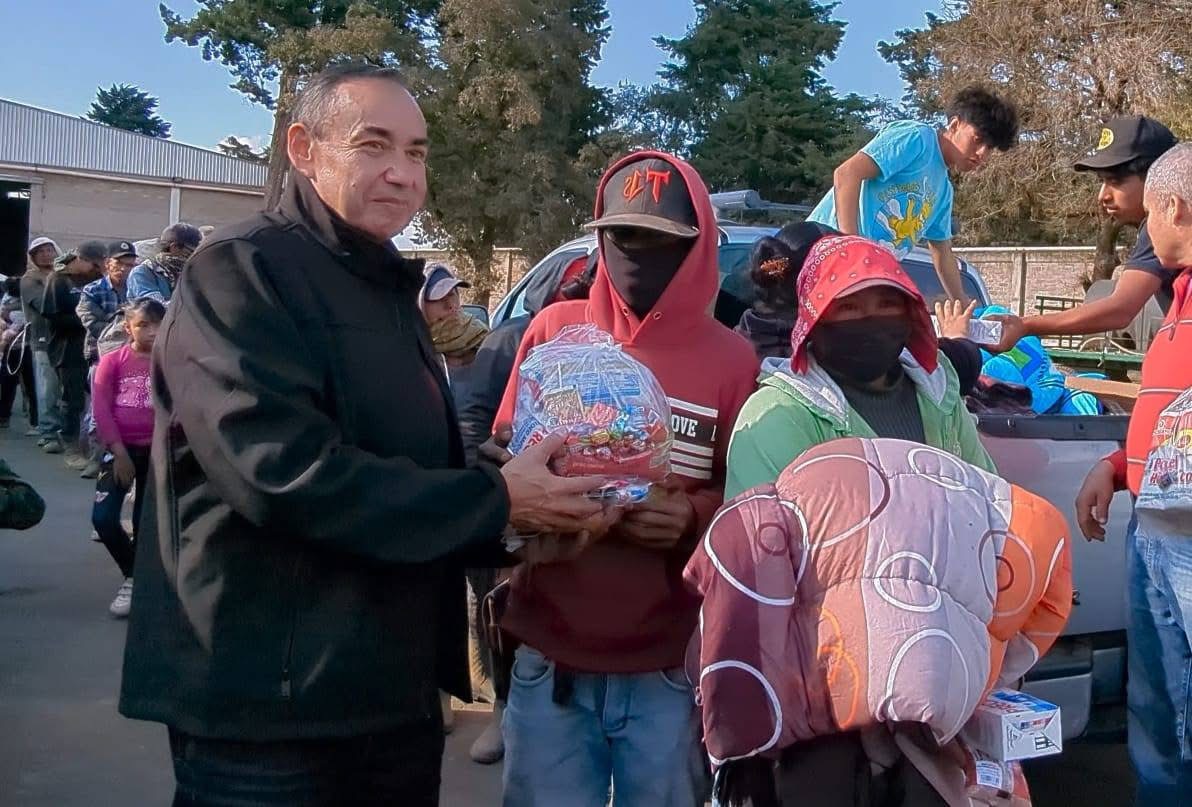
(439, 282)
(1126, 139)
(650, 194)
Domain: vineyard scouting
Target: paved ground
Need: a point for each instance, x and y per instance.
(62, 743)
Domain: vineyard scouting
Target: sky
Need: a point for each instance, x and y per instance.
(55, 53)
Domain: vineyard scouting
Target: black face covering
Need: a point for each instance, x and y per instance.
(640, 276)
(860, 350)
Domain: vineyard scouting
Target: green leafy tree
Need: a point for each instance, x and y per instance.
(636, 114)
(743, 90)
(512, 120)
(1068, 66)
(271, 46)
(124, 106)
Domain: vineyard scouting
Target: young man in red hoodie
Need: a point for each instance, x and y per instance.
(598, 697)
(1159, 558)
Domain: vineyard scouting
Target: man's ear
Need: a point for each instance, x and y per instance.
(1181, 211)
(299, 147)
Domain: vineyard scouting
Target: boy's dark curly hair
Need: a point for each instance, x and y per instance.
(994, 118)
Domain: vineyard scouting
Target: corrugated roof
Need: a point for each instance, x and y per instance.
(33, 136)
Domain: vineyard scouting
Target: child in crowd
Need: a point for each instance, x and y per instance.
(123, 404)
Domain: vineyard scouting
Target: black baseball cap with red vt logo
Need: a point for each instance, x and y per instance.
(649, 194)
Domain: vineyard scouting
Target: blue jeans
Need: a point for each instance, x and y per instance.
(1159, 689)
(49, 394)
(634, 735)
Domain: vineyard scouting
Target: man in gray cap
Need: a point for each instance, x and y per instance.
(158, 276)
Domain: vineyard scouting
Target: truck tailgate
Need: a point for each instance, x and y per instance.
(1050, 455)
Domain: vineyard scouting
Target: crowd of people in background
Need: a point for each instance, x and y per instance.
(77, 330)
(319, 441)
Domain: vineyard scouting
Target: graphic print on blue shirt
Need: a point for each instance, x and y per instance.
(911, 199)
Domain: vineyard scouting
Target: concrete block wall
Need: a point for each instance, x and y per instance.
(217, 208)
(1049, 272)
(74, 209)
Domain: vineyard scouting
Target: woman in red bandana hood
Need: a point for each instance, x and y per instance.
(865, 362)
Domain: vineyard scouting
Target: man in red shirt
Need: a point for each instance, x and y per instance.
(1160, 562)
(598, 696)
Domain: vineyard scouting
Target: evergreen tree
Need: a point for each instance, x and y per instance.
(744, 89)
(235, 147)
(124, 106)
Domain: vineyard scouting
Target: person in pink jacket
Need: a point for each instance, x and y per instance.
(123, 406)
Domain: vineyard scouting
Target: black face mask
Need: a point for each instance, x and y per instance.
(640, 276)
(860, 350)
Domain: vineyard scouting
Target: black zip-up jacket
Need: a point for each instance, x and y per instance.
(299, 571)
(67, 335)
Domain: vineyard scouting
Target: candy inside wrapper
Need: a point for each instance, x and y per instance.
(615, 413)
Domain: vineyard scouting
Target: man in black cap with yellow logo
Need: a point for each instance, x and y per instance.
(1125, 149)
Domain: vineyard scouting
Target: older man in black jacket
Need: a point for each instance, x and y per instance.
(303, 602)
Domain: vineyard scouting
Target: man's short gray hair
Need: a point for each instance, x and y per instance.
(313, 107)
(1171, 175)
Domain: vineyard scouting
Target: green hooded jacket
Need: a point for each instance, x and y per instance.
(791, 412)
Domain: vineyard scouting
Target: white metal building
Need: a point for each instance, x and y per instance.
(73, 180)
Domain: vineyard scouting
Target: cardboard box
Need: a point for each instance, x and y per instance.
(1011, 725)
(1121, 393)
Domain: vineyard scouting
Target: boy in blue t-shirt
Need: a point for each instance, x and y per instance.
(896, 189)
